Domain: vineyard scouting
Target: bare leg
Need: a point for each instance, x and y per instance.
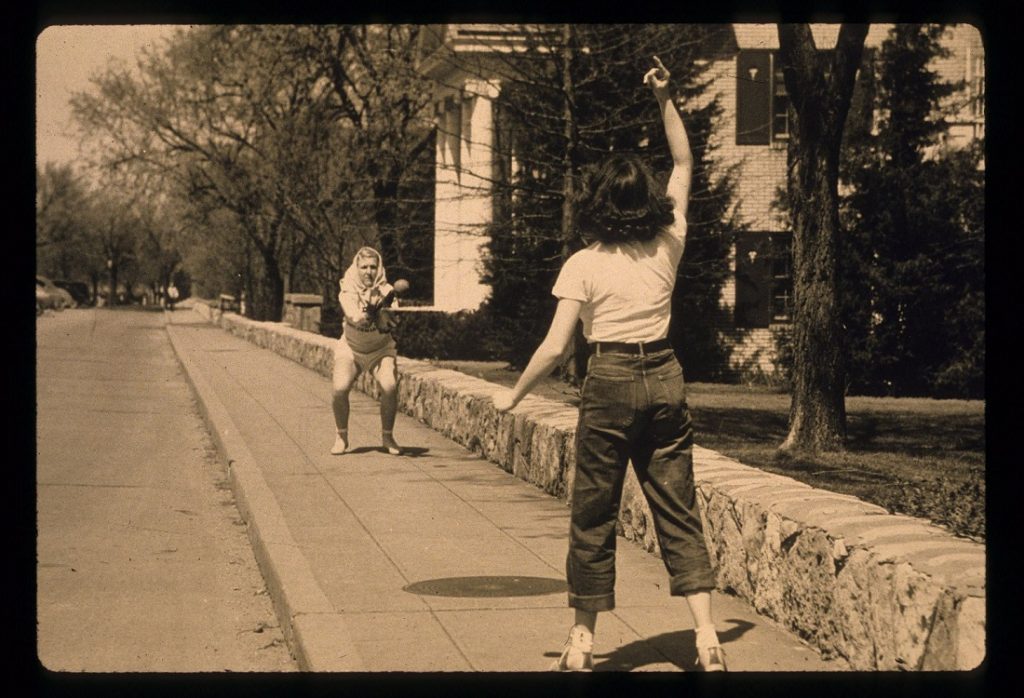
(387, 377)
(700, 608)
(339, 403)
(345, 372)
(709, 651)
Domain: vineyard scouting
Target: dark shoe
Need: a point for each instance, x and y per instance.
(711, 659)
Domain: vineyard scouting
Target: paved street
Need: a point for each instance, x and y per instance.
(143, 560)
(434, 561)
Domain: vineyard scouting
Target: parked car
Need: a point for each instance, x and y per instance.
(43, 299)
(49, 295)
(79, 291)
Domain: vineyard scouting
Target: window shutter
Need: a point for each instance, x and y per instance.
(753, 97)
(753, 280)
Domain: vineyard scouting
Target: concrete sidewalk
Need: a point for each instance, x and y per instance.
(433, 561)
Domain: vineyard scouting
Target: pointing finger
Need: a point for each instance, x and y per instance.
(661, 67)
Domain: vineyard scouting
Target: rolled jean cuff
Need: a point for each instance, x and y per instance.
(601, 602)
(692, 583)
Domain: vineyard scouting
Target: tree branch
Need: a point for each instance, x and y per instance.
(846, 61)
(798, 56)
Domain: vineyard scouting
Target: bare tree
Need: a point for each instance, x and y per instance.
(163, 235)
(382, 102)
(229, 115)
(61, 234)
(820, 84)
(114, 229)
(298, 131)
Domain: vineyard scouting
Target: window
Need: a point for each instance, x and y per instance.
(780, 104)
(762, 103)
(753, 97)
(977, 85)
(764, 279)
(782, 276)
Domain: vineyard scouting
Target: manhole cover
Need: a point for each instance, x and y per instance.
(487, 586)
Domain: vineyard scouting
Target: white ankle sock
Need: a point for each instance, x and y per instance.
(706, 636)
(581, 638)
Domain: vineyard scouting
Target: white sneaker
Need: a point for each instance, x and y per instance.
(340, 446)
(710, 655)
(711, 658)
(577, 655)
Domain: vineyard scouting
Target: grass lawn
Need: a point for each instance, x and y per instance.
(914, 456)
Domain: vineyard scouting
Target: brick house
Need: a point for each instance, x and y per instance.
(464, 59)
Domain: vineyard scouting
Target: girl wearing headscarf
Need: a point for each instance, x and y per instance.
(366, 344)
(633, 402)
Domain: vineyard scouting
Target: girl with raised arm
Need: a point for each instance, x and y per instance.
(633, 405)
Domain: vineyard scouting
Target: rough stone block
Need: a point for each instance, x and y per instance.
(807, 570)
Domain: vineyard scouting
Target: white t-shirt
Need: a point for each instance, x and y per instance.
(626, 288)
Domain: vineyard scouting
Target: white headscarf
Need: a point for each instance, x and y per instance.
(352, 281)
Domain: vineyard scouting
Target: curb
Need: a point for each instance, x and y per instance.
(315, 632)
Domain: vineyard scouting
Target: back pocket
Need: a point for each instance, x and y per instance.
(608, 402)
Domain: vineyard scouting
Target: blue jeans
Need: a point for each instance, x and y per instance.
(633, 408)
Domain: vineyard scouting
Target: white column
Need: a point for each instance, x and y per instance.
(464, 202)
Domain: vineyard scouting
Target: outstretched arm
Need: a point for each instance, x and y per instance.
(678, 143)
(547, 356)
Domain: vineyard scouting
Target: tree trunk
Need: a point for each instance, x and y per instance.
(820, 86)
(112, 297)
(247, 283)
(273, 286)
(818, 410)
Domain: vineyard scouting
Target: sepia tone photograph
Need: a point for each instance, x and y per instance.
(504, 347)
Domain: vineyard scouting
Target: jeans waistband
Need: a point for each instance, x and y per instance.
(630, 366)
(640, 348)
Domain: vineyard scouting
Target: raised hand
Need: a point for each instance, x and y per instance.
(657, 77)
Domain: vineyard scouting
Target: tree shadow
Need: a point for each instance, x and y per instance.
(676, 647)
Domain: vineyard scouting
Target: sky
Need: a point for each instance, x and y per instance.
(66, 57)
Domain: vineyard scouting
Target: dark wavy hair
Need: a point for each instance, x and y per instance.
(621, 202)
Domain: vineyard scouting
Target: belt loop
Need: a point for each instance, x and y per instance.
(642, 351)
(597, 348)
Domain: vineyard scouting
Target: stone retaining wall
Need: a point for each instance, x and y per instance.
(885, 592)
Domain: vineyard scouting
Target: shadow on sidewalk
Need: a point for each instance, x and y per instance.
(487, 586)
(407, 451)
(676, 647)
